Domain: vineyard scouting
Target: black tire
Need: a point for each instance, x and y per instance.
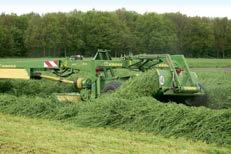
(112, 86)
(198, 100)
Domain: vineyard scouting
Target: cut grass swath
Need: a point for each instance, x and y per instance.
(130, 108)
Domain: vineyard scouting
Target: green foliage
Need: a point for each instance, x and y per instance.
(12, 30)
(156, 33)
(220, 28)
(121, 31)
(201, 40)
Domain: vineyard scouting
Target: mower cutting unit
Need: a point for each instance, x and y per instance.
(93, 77)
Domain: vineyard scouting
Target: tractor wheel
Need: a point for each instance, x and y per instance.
(198, 100)
(112, 86)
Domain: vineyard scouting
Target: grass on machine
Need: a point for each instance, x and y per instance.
(93, 77)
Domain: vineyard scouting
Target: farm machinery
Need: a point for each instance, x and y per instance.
(93, 77)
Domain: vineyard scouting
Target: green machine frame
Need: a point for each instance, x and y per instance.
(90, 76)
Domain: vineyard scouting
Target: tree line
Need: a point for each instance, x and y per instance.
(120, 31)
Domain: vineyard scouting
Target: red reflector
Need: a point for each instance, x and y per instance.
(98, 70)
(179, 70)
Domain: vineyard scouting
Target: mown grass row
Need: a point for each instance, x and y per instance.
(47, 136)
(141, 114)
(41, 88)
(218, 87)
(130, 108)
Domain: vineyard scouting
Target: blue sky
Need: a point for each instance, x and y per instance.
(209, 8)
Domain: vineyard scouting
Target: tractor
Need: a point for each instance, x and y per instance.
(93, 77)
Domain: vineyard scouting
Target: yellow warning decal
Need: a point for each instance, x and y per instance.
(113, 64)
(7, 66)
(162, 65)
(64, 98)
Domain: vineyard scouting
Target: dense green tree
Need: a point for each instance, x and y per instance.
(73, 33)
(181, 24)
(105, 30)
(121, 31)
(6, 42)
(221, 29)
(157, 34)
(12, 35)
(200, 39)
(132, 42)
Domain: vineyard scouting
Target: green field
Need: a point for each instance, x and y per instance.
(193, 62)
(32, 121)
(209, 63)
(25, 135)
